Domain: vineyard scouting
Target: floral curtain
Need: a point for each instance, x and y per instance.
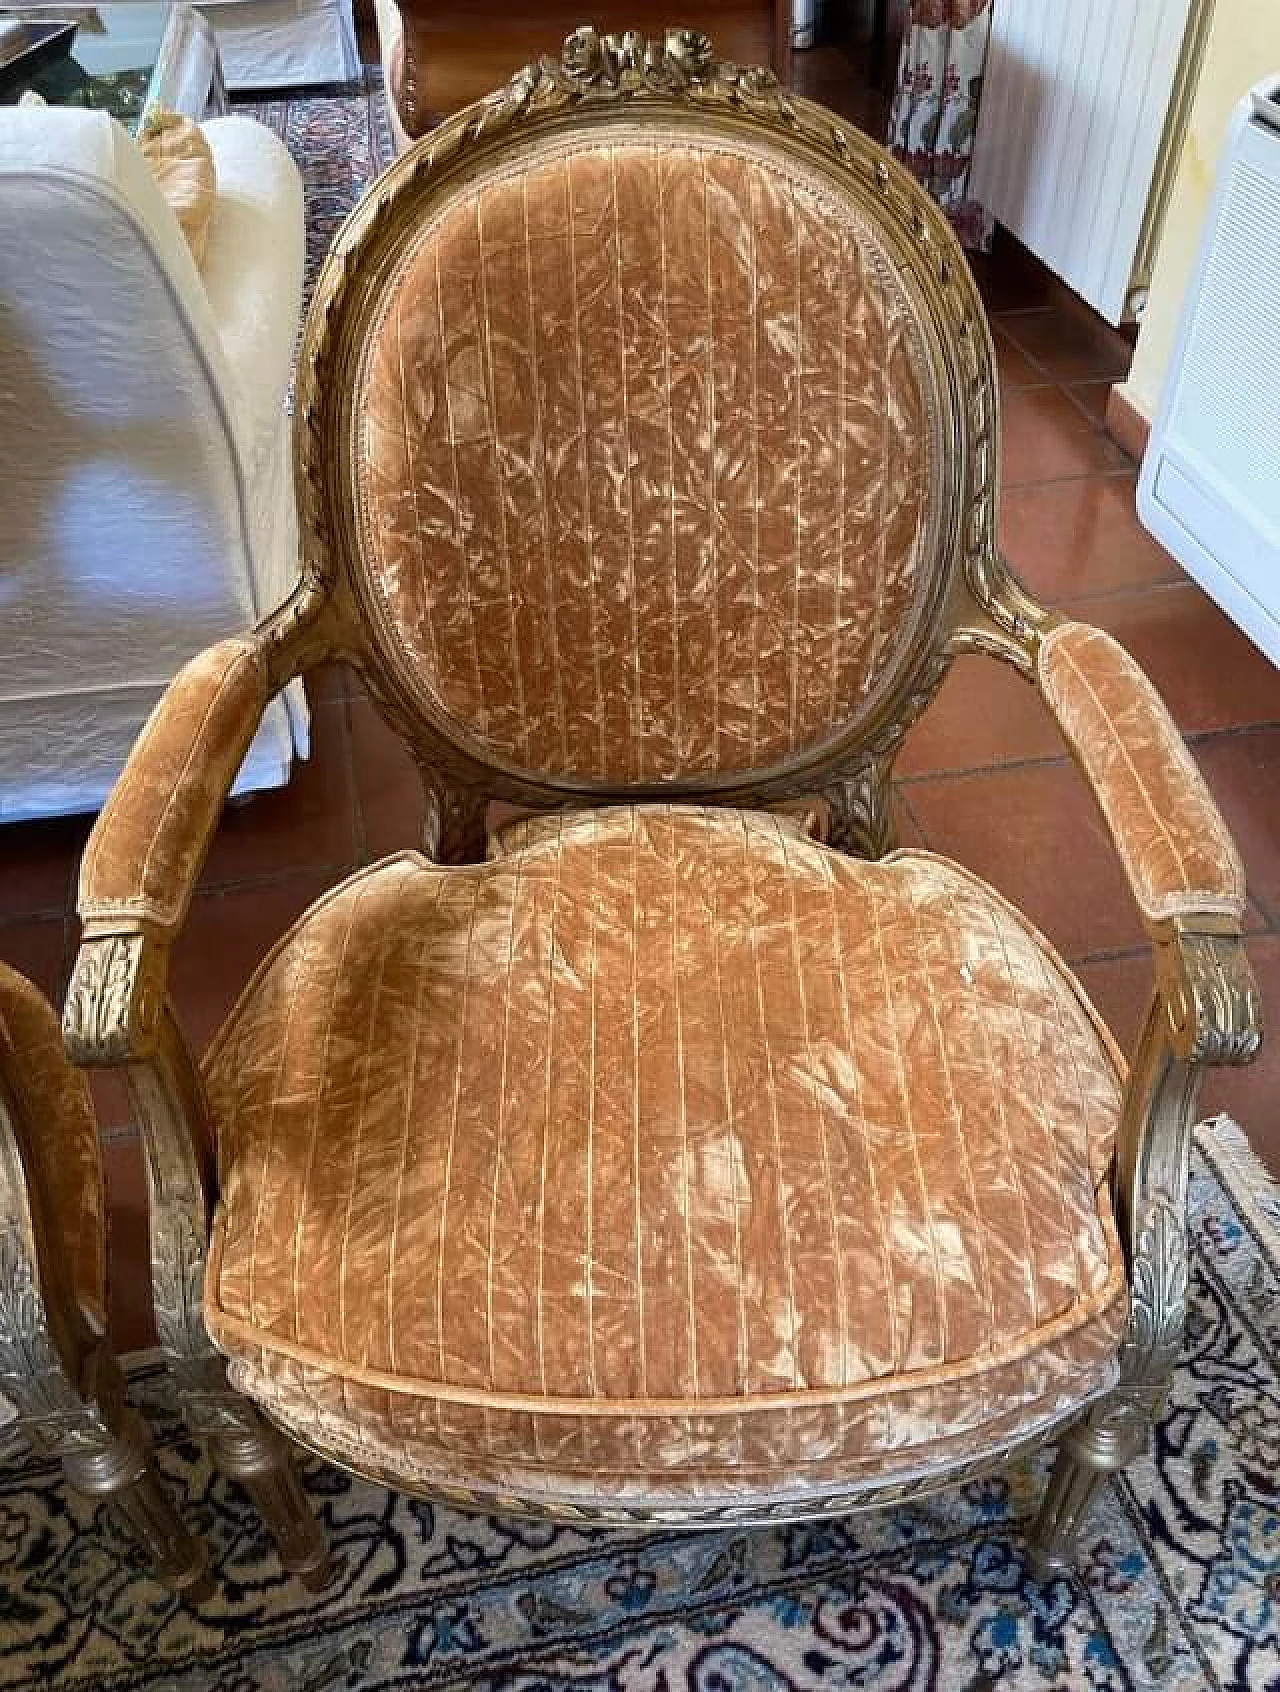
(935, 105)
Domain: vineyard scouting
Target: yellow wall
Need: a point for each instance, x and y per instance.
(1242, 47)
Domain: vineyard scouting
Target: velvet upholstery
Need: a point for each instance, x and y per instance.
(668, 1150)
(151, 837)
(58, 1137)
(180, 159)
(1176, 850)
(645, 442)
(666, 1156)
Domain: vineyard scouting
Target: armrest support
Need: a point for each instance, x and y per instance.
(1177, 853)
(1212, 1006)
(1186, 876)
(149, 844)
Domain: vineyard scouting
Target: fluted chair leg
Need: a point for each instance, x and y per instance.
(260, 1458)
(172, 1112)
(1088, 1452)
(1119, 1426)
(119, 1470)
(79, 1414)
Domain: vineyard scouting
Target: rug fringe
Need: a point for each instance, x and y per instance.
(1242, 1172)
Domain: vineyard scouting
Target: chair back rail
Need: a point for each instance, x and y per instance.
(646, 439)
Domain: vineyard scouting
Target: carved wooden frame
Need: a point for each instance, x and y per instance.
(1204, 1007)
(970, 601)
(65, 1383)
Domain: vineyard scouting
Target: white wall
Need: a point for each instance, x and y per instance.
(1242, 47)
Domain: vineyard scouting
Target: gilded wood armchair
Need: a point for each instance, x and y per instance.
(57, 1371)
(681, 1153)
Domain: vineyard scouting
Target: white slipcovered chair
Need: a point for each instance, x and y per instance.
(284, 43)
(146, 498)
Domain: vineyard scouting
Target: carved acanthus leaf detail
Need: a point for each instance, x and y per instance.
(178, 1263)
(1157, 1316)
(453, 825)
(26, 1349)
(31, 1372)
(1157, 1297)
(861, 813)
(99, 1016)
(1215, 1013)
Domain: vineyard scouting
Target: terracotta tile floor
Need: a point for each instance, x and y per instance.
(982, 776)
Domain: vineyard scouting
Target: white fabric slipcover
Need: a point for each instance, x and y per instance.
(284, 43)
(146, 501)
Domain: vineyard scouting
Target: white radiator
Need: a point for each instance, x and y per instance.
(1083, 106)
(1210, 486)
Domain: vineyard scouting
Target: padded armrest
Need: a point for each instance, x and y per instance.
(150, 841)
(58, 1136)
(1177, 852)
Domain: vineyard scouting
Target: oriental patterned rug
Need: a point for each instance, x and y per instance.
(339, 142)
(1178, 1586)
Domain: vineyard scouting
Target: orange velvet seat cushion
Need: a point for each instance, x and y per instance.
(666, 1155)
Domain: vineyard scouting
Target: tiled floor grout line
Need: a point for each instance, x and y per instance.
(1061, 600)
(41, 913)
(1091, 417)
(333, 871)
(1197, 737)
(1011, 765)
(1049, 380)
(1125, 469)
(901, 798)
(1112, 954)
(1039, 363)
(1022, 311)
(1131, 470)
(950, 772)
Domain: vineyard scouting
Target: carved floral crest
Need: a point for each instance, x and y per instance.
(593, 66)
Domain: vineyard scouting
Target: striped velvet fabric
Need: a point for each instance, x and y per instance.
(647, 477)
(1176, 849)
(58, 1134)
(667, 1149)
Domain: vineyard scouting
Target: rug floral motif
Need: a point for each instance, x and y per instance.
(1178, 1584)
